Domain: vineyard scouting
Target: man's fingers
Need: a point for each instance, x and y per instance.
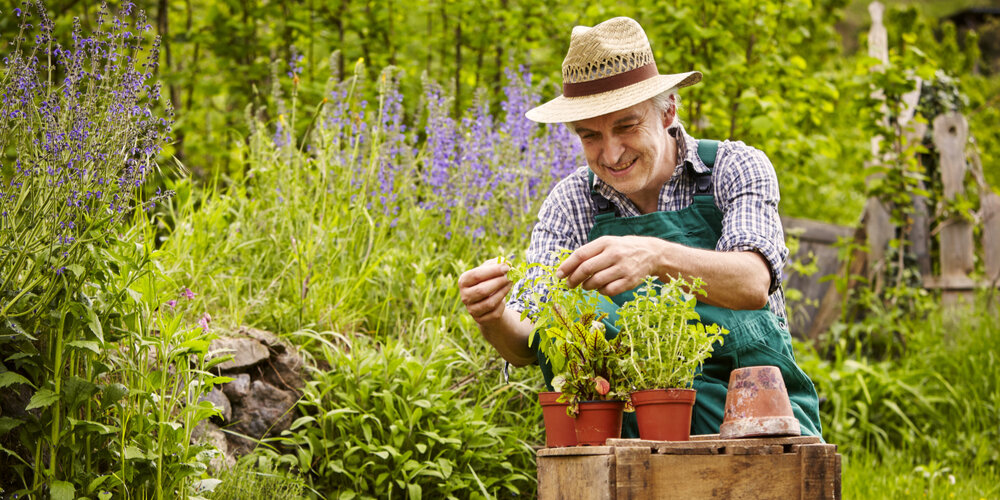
(483, 290)
(579, 256)
(600, 279)
(590, 268)
(485, 272)
(491, 307)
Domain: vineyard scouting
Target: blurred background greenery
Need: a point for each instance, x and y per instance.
(337, 165)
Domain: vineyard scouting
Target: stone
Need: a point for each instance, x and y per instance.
(265, 411)
(287, 371)
(238, 388)
(220, 401)
(207, 432)
(246, 352)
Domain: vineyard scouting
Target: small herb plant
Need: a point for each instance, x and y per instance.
(571, 333)
(664, 337)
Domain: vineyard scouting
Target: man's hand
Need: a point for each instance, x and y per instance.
(616, 264)
(612, 264)
(484, 289)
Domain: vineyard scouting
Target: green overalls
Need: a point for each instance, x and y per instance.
(755, 338)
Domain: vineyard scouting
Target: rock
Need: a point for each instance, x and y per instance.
(220, 401)
(263, 336)
(287, 371)
(246, 352)
(238, 388)
(265, 411)
(207, 432)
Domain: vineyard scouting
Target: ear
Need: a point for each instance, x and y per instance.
(669, 114)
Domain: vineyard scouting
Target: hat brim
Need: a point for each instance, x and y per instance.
(564, 109)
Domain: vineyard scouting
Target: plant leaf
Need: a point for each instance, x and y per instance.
(61, 490)
(11, 378)
(41, 399)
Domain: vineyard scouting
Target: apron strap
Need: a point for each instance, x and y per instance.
(707, 150)
(605, 209)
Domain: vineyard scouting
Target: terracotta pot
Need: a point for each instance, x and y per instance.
(664, 414)
(757, 405)
(560, 428)
(598, 421)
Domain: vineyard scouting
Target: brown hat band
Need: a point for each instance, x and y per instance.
(613, 82)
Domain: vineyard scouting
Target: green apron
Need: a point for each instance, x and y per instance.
(756, 337)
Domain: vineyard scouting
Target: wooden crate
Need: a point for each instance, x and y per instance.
(705, 467)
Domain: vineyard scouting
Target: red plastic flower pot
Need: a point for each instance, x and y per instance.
(598, 421)
(664, 414)
(559, 427)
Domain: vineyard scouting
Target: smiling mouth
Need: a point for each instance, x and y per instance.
(625, 167)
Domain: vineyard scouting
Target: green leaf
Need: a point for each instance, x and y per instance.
(104, 495)
(11, 378)
(76, 391)
(41, 399)
(61, 490)
(112, 394)
(8, 423)
(415, 491)
(76, 269)
(133, 452)
(89, 345)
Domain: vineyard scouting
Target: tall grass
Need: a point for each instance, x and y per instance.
(931, 412)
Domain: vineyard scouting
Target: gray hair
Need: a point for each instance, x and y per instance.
(661, 103)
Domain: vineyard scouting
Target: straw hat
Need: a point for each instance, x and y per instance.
(608, 68)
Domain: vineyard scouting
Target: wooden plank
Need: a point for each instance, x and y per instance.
(816, 231)
(714, 446)
(958, 283)
(735, 477)
(587, 477)
(577, 450)
(632, 472)
(830, 306)
(820, 472)
(990, 208)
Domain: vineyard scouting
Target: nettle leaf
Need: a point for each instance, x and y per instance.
(112, 394)
(76, 391)
(7, 424)
(11, 378)
(62, 490)
(88, 345)
(42, 399)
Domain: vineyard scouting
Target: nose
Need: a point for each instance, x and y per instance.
(611, 151)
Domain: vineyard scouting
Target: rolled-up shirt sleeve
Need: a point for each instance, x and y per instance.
(746, 190)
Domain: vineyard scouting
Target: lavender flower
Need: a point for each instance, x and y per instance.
(85, 130)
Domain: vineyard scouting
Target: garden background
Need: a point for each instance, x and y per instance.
(326, 170)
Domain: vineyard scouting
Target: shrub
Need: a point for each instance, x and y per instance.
(381, 421)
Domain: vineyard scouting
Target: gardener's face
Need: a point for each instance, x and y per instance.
(631, 151)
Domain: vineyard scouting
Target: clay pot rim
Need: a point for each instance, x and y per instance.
(594, 402)
(548, 398)
(671, 395)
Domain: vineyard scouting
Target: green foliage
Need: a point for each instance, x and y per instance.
(384, 420)
(570, 331)
(247, 481)
(937, 400)
(666, 339)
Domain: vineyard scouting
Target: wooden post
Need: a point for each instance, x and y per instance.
(878, 229)
(989, 213)
(951, 130)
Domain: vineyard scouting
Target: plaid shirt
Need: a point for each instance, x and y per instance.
(745, 188)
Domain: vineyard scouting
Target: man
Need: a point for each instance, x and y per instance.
(655, 201)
